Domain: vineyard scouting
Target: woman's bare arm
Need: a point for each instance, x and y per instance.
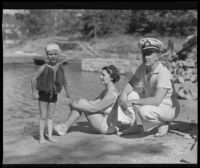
(107, 101)
(98, 98)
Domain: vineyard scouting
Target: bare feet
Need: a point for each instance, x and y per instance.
(52, 139)
(162, 130)
(60, 129)
(42, 141)
(63, 129)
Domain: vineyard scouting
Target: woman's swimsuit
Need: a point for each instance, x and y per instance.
(105, 126)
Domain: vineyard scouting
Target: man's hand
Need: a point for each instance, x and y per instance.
(123, 101)
(126, 104)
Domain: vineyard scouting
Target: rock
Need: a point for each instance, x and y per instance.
(180, 79)
(184, 93)
(189, 64)
(193, 79)
(191, 155)
(173, 65)
(188, 97)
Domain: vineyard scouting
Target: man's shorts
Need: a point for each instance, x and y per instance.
(46, 97)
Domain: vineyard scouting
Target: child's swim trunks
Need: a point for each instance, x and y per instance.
(47, 97)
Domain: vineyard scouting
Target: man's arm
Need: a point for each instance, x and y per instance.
(155, 100)
(163, 85)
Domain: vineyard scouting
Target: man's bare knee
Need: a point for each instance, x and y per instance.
(83, 102)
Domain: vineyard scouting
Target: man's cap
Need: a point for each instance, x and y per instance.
(150, 43)
(52, 46)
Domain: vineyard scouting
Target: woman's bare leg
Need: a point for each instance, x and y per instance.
(95, 119)
(73, 117)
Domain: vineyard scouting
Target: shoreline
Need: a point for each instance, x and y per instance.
(26, 59)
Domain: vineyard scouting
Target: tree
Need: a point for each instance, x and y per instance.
(35, 22)
(105, 22)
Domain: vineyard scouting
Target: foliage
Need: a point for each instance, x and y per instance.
(35, 21)
(98, 23)
(165, 22)
(105, 22)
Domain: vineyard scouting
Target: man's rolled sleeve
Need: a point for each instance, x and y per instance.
(164, 79)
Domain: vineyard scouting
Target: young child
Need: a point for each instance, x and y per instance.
(46, 84)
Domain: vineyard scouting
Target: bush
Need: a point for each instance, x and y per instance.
(99, 23)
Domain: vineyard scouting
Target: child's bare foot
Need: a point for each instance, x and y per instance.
(42, 141)
(52, 139)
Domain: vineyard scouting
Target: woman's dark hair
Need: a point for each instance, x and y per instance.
(113, 72)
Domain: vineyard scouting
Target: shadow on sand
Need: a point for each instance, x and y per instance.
(184, 127)
(177, 127)
(82, 126)
(32, 129)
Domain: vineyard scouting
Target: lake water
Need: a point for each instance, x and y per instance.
(17, 99)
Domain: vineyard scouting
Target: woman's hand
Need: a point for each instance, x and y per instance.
(69, 100)
(74, 105)
(35, 95)
(80, 104)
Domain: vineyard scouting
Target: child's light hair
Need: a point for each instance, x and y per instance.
(52, 46)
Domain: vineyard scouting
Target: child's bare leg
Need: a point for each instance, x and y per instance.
(51, 111)
(42, 121)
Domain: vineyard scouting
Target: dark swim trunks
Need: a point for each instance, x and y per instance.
(46, 97)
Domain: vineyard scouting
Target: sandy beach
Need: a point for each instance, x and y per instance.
(82, 145)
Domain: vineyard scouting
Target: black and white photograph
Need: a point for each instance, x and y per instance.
(95, 85)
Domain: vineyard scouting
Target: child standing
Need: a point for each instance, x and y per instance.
(48, 81)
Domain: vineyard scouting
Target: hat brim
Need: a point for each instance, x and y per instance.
(151, 47)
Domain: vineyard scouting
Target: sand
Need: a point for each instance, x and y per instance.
(82, 145)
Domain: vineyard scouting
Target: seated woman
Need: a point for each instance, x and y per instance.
(99, 111)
